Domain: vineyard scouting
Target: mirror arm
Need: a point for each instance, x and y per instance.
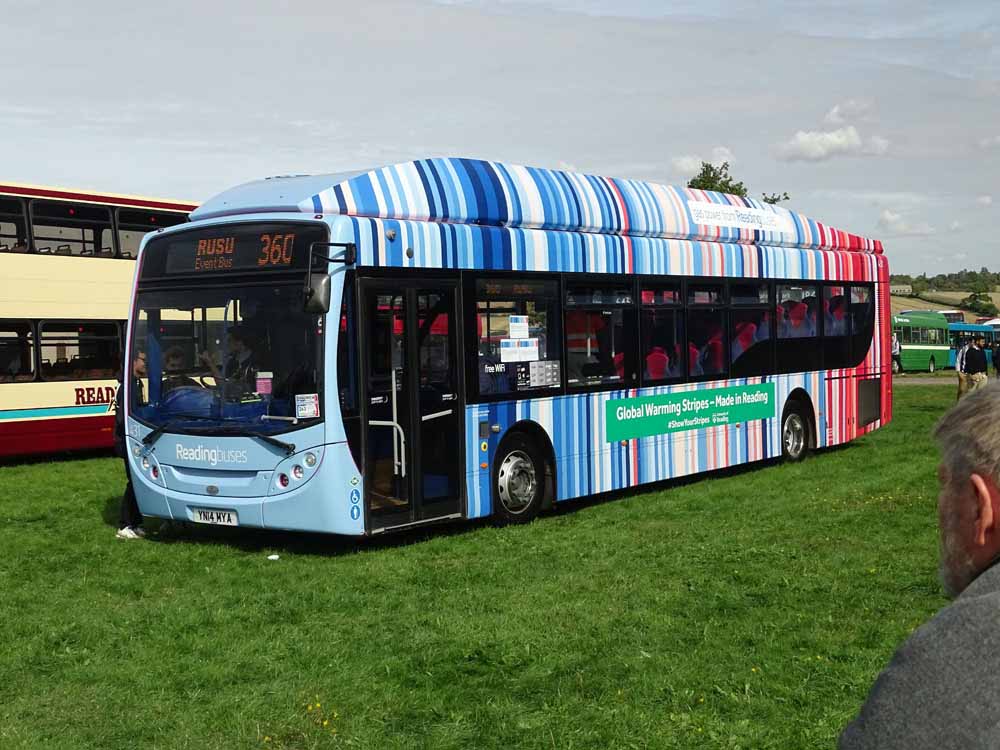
(348, 258)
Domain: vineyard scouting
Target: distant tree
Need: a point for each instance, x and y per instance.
(717, 178)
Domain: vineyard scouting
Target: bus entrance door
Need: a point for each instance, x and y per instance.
(414, 425)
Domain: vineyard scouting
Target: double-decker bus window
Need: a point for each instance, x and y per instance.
(600, 335)
(17, 361)
(13, 226)
(79, 351)
(134, 224)
(71, 229)
(798, 326)
(662, 334)
(519, 344)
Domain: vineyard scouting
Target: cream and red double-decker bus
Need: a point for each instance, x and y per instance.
(66, 267)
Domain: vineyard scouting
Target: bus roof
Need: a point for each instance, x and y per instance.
(471, 191)
(971, 327)
(921, 317)
(90, 196)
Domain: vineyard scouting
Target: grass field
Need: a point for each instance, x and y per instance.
(745, 610)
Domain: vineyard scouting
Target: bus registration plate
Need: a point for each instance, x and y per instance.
(215, 517)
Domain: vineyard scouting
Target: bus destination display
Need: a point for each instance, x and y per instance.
(242, 249)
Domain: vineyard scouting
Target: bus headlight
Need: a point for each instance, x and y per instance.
(292, 473)
(145, 463)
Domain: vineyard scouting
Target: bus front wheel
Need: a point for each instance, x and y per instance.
(930, 365)
(794, 433)
(518, 480)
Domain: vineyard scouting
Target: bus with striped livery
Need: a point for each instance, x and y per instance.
(67, 261)
(453, 339)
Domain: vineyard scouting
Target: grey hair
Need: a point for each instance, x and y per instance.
(969, 435)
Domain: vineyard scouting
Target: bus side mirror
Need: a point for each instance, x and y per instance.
(317, 294)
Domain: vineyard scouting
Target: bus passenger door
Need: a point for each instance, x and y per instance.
(387, 430)
(414, 420)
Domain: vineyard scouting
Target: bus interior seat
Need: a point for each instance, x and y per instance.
(657, 363)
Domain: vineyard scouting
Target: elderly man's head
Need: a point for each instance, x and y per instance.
(969, 503)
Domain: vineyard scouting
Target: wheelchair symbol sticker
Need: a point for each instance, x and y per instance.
(355, 496)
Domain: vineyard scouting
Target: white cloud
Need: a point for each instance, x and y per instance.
(954, 226)
(851, 110)
(690, 164)
(985, 200)
(877, 145)
(990, 142)
(686, 164)
(895, 223)
(721, 154)
(816, 145)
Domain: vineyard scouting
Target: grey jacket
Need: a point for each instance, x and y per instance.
(942, 688)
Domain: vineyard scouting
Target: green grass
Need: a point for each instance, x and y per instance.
(747, 610)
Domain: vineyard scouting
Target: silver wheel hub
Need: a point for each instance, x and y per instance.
(794, 435)
(517, 482)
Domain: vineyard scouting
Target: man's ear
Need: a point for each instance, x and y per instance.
(987, 509)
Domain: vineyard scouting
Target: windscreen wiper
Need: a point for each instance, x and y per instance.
(153, 436)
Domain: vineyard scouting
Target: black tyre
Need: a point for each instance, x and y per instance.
(518, 480)
(896, 368)
(930, 365)
(795, 432)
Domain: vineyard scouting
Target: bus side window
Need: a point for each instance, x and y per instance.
(518, 345)
(71, 228)
(134, 224)
(88, 350)
(17, 351)
(13, 226)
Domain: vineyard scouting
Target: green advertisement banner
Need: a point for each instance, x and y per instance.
(629, 418)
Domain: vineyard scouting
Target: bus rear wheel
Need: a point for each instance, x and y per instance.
(794, 433)
(518, 480)
(930, 365)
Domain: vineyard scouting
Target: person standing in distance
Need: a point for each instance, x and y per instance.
(974, 364)
(941, 688)
(896, 353)
(963, 383)
(129, 517)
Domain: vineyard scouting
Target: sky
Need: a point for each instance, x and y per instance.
(879, 118)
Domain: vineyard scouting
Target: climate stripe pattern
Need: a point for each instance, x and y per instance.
(487, 193)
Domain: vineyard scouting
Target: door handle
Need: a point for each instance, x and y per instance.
(399, 454)
(435, 415)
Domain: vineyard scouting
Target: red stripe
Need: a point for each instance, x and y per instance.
(70, 195)
(56, 435)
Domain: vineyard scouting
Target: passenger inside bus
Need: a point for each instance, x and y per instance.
(173, 366)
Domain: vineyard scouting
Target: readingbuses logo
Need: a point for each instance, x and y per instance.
(213, 456)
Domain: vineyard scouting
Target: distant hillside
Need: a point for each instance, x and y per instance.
(951, 298)
(898, 304)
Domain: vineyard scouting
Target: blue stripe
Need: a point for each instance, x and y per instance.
(55, 411)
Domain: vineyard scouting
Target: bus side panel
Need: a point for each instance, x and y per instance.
(63, 415)
(24, 437)
(588, 463)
